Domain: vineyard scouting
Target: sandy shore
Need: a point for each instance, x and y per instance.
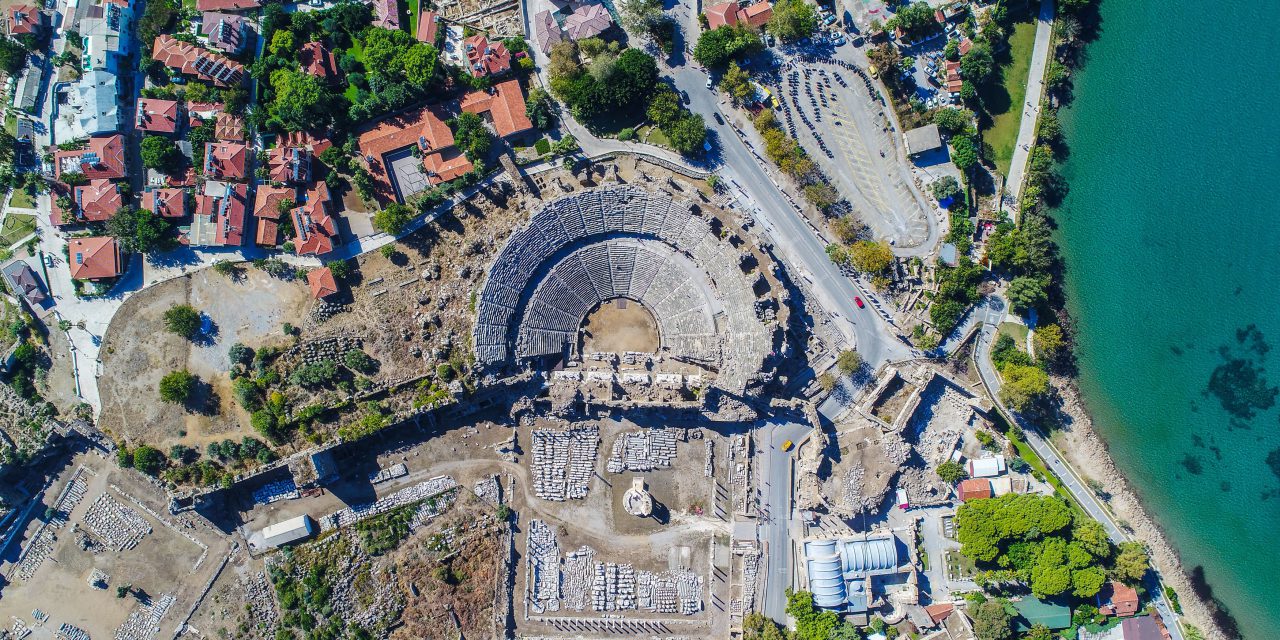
(1084, 450)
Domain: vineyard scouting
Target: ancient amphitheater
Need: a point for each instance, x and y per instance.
(622, 242)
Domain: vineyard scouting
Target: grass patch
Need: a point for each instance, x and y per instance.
(1003, 101)
(22, 200)
(11, 123)
(542, 146)
(960, 565)
(413, 18)
(658, 136)
(356, 50)
(1016, 331)
(16, 226)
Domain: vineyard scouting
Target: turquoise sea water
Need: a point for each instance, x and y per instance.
(1171, 233)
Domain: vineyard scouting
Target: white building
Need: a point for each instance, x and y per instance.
(291, 530)
(97, 103)
(986, 467)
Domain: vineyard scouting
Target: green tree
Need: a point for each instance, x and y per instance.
(869, 256)
(264, 422)
(687, 134)
(977, 65)
(13, 56)
(757, 626)
(148, 460)
(1050, 575)
(182, 320)
(664, 107)
(160, 153)
(951, 472)
(1026, 293)
(945, 187)
(176, 386)
(1049, 342)
(915, 19)
(963, 153)
(1131, 563)
(539, 108)
(393, 219)
(282, 43)
(737, 84)
(719, 46)
(848, 362)
(1024, 385)
(1039, 632)
(1091, 536)
(302, 101)
(140, 231)
(985, 526)
(1086, 582)
(419, 63)
(471, 136)
(792, 20)
(991, 619)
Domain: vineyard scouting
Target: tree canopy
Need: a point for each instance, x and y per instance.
(1026, 293)
(176, 386)
(792, 20)
(182, 320)
(140, 231)
(991, 620)
(393, 219)
(160, 153)
(721, 45)
(1024, 385)
(985, 526)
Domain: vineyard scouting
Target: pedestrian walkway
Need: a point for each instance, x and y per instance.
(1031, 110)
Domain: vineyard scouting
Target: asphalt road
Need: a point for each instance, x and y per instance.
(776, 518)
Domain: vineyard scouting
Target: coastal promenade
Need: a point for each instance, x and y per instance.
(1031, 110)
(1070, 479)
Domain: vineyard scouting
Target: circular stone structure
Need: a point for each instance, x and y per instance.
(636, 500)
(627, 242)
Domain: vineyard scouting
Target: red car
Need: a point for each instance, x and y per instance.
(858, 301)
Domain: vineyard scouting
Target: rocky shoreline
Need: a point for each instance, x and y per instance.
(1088, 453)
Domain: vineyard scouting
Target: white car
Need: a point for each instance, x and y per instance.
(709, 83)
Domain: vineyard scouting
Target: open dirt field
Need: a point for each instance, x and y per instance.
(137, 351)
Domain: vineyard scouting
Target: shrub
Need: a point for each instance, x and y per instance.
(314, 374)
(359, 361)
(240, 354)
(627, 134)
(951, 472)
(445, 371)
(148, 460)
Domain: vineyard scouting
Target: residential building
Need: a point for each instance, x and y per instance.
(588, 21)
(974, 489)
(158, 116)
(486, 58)
(289, 164)
(428, 27)
(100, 31)
(225, 160)
(317, 60)
(228, 127)
(102, 157)
(165, 202)
(94, 258)
(316, 230)
(219, 219)
(1118, 599)
(23, 281)
(322, 283)
(1142, 628)
(267, 202)
(923, 140)
(227, 32)
(729, 13)
(26, 95)
(227, 5)
(938, 612)
(24, 19)
(546, 32)
(505, 106)
(305, 140)
(189, 59)
(386, 14)
(96, 103)
(388, 150)
(97, 201)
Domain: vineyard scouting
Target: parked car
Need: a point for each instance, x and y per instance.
(719, 120)
(710, 84)
(858, 301)
(786, 446)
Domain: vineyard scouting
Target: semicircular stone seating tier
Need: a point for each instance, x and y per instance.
(621, 242)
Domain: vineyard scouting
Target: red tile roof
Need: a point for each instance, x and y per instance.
(157, 116)
(425, 128)
(228, 127)
(317, 60)
(268, 232)
(228, 212)
(205, 109)
(192, 60)
(289, 164)
(25, 19)
(226, 160)
(974, 488)
(965, 45)
(227, 5)
(94, 258)
(169, 203)
(939, 612)
(103, 157)
(98, 200)
(266, 202)
(311, 221)
(505, 105)
(305, 140)
(486, 58)
(1118, 599)
(322, 283)
(428, 27)
(728, 13)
